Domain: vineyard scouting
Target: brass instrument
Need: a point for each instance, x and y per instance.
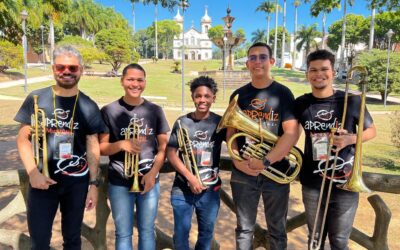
(38, 134)
(131, 164)
(355, 182)
(264, 140)
(185, 146)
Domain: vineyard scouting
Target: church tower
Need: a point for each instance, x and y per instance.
(205, 22)
(179, 19)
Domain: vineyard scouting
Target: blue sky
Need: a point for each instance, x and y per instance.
(242, 10)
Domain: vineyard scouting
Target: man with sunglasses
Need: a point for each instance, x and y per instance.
(72, 122)
(269, 104)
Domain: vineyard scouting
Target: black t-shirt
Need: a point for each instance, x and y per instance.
(151, 120)
(86, 121)
(318, 116)
(271, 105)
(206, 145)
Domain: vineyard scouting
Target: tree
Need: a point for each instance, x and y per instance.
(258, 36)
(267, 7)
(9, 21)
(216, 32)
(306, 37)
(357, 31)
(376, 62)
(167, 30)
(118, 46)
(326, 7)
(83, 14)
(383, 21)
(144, 42)
(296, 4)
(10, 55)
(279, 39)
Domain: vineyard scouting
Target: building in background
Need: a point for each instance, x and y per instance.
(198, 45)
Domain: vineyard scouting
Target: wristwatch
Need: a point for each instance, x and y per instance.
(266, 162)
(95, 182)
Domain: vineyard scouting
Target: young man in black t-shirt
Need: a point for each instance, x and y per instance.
(270, 104)
(196, 190)
(318, 112)
(72, 122)
(150, 145)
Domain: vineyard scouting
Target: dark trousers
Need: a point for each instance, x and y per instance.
(246, 193)
(42, 208)
(340, 216)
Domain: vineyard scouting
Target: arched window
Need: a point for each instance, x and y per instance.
(206, 28)
(192, 40)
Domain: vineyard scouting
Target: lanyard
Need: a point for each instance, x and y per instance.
(73, 111)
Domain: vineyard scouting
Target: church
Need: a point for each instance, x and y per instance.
(198, 45)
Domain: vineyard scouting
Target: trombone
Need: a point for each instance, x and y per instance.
(131, 163)
(38, 134)
(185, 146)
(355, 182)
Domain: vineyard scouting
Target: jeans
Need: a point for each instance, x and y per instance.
(340, 216)
(122, 206)
(42, 208)
(246, 192)
(206, 206)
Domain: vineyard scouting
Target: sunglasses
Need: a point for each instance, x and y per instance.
(261, 57)
(71, 68)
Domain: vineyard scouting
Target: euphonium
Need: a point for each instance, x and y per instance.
(185, 146)
(38, 134)
(131, 164)
(263, 139)
(355, 182)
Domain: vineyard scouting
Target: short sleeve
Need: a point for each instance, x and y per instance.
(162, 123)
(23, 115)
(173, 138)
(288, 106)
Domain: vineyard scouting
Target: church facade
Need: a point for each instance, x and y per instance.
(198, 45)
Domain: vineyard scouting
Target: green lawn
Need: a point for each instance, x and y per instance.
(380, 155)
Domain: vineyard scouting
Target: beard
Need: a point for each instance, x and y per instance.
(67, 83)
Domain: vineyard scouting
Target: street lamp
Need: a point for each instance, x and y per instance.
(224, 82)
(24, 16)
(389, 34)
(43, 56)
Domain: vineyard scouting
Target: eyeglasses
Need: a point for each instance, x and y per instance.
(261, 57)
(71, 68)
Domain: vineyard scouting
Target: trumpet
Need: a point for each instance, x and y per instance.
(131, 163)
(355, 182)
(38, 134)
(264, 140)
(185, 146)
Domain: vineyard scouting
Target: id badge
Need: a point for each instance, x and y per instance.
(64, 146)
(206, 158)
(320, 146)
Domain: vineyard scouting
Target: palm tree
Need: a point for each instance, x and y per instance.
(258, 36)
(325, 7)
(306, 37)
(276, 28)
(52, 10)
(296, 4)
(283, 35)
(267, 7)
(84, 15)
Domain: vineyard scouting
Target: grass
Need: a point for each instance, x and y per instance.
(380, 155)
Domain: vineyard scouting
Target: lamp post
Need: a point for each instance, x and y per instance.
(224, 82)
(389, 34)
(24, 16)
(43, 53)
(184, 4)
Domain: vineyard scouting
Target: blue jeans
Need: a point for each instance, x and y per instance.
(122, 206)
(340, 216)
(42, 208)
(246, 192)
(206, 206)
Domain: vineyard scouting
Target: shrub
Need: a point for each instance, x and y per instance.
(11, 56)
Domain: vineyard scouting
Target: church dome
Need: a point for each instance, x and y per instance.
(178, 17)
(206, 18)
